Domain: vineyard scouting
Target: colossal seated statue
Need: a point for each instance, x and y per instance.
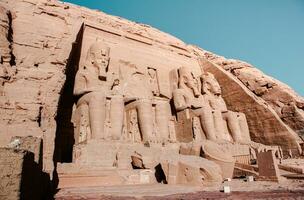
(91, 90)
(236, 121)
(187, 96)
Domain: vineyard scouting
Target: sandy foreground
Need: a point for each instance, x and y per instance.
(288, 189)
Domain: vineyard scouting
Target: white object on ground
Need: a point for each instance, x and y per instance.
(249, 178)
(15, 144)
(227, 189)
(145, 176)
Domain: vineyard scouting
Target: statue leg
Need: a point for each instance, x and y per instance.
(233, 125)
(244, 127)
(97, 113)
(162, 113)
(219, 124)
(116, 116)
(207, 122)
(145, 119)
(83, 123)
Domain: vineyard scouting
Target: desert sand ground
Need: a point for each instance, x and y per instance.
(287, 189)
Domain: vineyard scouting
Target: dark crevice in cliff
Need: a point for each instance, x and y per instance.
(32, 176)
(10, 38)
(64, 141)
(39, 116)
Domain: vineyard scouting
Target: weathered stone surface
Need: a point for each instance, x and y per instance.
(21, 177)
(191, 170)
(212, 151)
(11, 165)
(268, 166)
(31, 144)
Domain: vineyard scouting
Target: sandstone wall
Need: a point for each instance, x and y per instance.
(31, 144)
(11, 163)
(21, 177)
(30, 95)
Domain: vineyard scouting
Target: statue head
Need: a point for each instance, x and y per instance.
(187, 80)
(98, 58)
(210, 84)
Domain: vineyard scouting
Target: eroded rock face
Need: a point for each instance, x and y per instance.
(81, 79)
(11, 179)
(20, 173)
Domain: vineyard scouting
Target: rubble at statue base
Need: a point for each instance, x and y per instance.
(120, 103)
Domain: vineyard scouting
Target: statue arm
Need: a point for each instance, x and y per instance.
(179, 100)
(80, 85)
(206, 100)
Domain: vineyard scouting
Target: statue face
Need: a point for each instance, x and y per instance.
(99, 57)
(188, 80)
(214, 86)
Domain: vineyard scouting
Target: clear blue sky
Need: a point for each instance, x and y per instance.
(266, 33)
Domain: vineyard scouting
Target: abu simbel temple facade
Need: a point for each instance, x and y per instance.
(88, 99)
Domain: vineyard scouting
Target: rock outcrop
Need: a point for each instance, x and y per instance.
(21, 170)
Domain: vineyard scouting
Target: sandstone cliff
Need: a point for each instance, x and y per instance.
(40, 42)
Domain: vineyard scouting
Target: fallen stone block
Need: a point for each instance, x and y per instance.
(191, 170)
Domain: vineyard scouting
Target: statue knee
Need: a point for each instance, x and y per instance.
(217, 114)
